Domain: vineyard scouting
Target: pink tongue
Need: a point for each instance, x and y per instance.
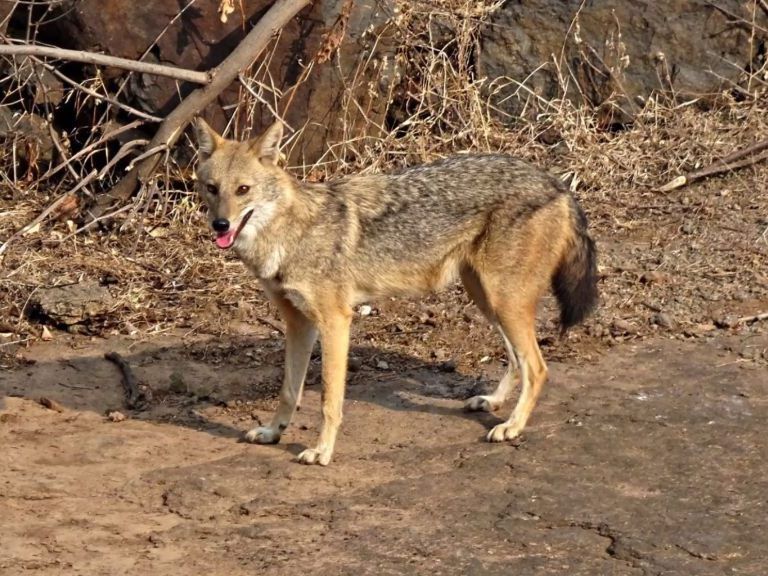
(226, 239)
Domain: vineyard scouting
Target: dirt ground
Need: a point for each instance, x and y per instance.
(645, 456)
(650, 460)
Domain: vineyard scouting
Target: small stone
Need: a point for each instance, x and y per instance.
(663, 319)
(355, 363)
(46, 336)
(598, 331)
(51, 404)
(427, 319)
(654, 277)
(726, 321)
(688, 228)
(740, 295)
(485, 360)
(447, 366)
(382, 365)
(115, 416)
(365, 310)
(620, 327)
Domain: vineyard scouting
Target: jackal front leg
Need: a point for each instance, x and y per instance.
(300, 336)
(334, 339)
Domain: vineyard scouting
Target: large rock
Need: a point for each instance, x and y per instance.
(622, 48)
(612, 51)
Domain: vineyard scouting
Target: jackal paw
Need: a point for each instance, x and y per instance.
(481, 404)
(505, 431)
(262, 435)
(320, 456)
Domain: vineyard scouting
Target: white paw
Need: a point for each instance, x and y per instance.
(263, 435)
(481, 404)
(505, 431)
(320, 456)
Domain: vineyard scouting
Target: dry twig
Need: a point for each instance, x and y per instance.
(731, 162)
(136, 396)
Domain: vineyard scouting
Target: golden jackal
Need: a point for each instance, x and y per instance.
(508, 230)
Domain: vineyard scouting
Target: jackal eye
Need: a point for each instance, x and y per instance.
(242, 190)
(211, 189)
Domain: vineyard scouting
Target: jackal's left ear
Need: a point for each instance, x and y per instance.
(268, 145)
(207, 139)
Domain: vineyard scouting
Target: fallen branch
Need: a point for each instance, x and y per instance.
(136, 396)
(103, 60)
(731, 162)
(281, 12)
(754, 318)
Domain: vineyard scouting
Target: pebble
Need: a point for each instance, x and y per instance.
(654, 277)
(354, 364)
(365, 310)
(663, 319)
(726, 321)
(115, 416)
(382, 365)
(619, 327)
(448, 366)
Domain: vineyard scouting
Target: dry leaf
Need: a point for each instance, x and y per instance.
(226, 7)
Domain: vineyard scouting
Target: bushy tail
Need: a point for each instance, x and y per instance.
(575, 280)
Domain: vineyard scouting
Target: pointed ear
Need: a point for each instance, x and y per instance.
(207, 139)
(268, 145)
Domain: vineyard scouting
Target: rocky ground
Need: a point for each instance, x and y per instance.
(645, 456)
(647, 460)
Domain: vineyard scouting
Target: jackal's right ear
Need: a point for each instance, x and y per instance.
(207, 139)
(267, 146)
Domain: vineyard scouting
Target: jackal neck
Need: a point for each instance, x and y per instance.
(267, 252)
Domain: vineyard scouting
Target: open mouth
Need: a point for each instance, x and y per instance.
(225, 240)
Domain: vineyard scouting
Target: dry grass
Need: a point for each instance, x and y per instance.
(165, 273)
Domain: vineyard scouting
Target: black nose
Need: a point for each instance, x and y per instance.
(220, 224)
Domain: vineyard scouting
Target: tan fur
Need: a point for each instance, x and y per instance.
(507, 230)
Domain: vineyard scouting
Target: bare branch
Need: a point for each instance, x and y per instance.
(103, 60)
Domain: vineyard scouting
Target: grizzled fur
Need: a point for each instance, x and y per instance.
(508, 230)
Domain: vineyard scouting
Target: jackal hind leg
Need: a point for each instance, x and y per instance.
(489, 402)
(518, 327)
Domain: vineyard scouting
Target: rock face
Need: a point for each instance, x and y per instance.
(629, 48)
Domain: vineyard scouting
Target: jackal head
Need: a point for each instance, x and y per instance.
(239, 182)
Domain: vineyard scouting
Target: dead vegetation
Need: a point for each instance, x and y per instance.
(683, 262)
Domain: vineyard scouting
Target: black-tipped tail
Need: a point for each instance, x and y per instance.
(575, 281)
